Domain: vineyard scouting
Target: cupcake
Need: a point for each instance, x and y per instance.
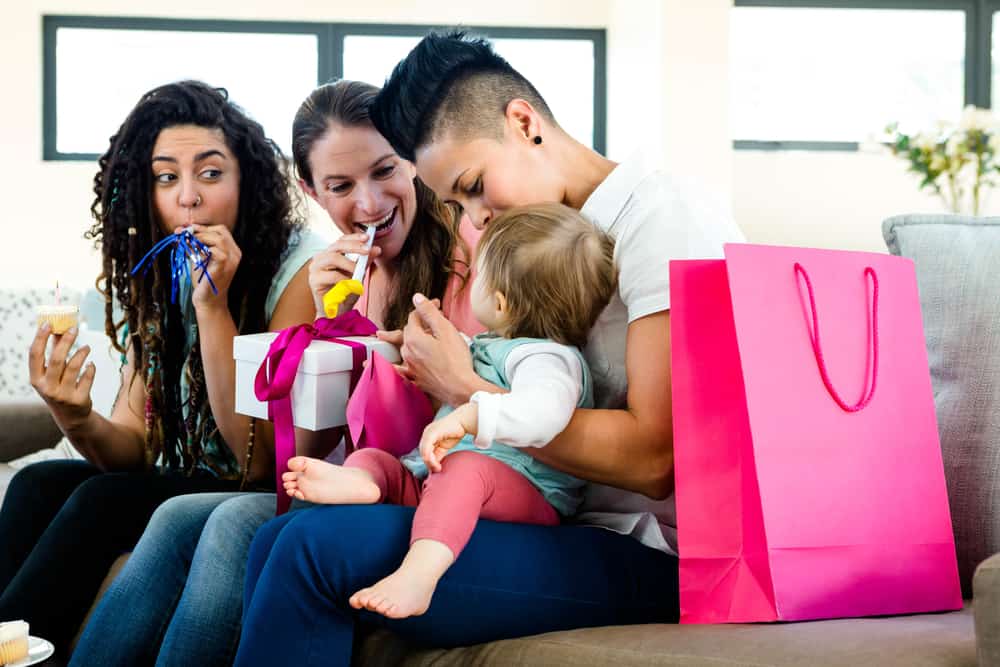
(13, 642)
(60, 318)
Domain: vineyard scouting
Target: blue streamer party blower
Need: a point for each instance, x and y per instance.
(182, 247)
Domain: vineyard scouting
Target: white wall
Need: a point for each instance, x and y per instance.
(696, 72)
(668, 90)
(46, 204)
(668, 85)
(819, 199)
(824, 199)
(635, 36)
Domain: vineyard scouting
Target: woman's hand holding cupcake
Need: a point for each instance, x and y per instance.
(222, 265)
(59, 380)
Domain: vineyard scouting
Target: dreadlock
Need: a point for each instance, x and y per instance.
(126, 226)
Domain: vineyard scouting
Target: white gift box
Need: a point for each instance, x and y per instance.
(322, 384)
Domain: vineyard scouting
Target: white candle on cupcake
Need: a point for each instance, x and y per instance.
(60, 317)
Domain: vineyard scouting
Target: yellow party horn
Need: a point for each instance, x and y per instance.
(339, 293)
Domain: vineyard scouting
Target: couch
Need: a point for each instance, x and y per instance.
(958, 267)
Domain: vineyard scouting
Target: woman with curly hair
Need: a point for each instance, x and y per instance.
(180, 594)
(186, 158)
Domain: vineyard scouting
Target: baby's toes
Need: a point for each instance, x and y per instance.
(297, 464)
(372, 600)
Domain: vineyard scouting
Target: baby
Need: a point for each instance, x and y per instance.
(544, 275)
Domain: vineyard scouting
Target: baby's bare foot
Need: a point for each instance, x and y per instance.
(408, 591)
(399, 595)
(328, 484)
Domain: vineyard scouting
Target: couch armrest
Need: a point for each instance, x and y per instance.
(986, 587)
(26, 426)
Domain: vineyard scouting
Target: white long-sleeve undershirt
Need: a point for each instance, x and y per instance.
(546, 380)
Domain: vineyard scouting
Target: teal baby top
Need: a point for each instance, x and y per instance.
(489, 359)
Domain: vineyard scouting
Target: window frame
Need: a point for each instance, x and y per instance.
(978, 58)
(330, 49)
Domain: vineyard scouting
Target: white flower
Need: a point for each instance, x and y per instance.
(974, 118)
(995, 143)
(969, 118)
(956, 145)
(966, 154)
(925, 142)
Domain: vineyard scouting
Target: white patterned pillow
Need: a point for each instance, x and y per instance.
(17, 313)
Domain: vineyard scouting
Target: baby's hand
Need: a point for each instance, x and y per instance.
(440, 436)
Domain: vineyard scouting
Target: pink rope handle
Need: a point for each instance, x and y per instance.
(869, 392)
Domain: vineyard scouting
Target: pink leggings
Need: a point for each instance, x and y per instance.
(449, 503)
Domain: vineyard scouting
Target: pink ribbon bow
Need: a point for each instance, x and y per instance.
(282, 363)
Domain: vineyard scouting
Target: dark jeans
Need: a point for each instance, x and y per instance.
(511, 580)
(62, 525)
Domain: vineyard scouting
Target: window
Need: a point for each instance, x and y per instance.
(818, 74)
(371, 57)
(267, 71)
(995, 58)
(563, 71)
(268, 68)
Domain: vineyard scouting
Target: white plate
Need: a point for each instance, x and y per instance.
(38, 651)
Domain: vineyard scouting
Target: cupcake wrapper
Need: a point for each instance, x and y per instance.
(14, 650)
(60, 323)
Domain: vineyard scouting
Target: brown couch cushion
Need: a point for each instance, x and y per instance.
(27, 427)
(910, 641)
(987, 585)
(6, 473)
(109, 578)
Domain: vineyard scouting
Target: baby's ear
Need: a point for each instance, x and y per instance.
(500, 304)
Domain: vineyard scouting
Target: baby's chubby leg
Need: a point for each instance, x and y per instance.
(470, 485)
(329, 484)
(368, 476)
(408, 591)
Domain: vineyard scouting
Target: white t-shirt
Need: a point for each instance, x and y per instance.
(653, 218)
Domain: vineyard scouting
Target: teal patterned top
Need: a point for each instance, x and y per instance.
(216, 458)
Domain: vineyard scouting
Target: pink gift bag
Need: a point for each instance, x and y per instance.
(387, 411)
(809, 480)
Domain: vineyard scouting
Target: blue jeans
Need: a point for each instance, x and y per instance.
(178, 600)
(62, 525)
(511, 580)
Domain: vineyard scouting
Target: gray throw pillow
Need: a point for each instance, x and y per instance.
(957, 262)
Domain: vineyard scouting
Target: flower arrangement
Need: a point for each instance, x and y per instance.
(959, 163)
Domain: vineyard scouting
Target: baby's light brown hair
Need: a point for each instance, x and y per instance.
(555, 268)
